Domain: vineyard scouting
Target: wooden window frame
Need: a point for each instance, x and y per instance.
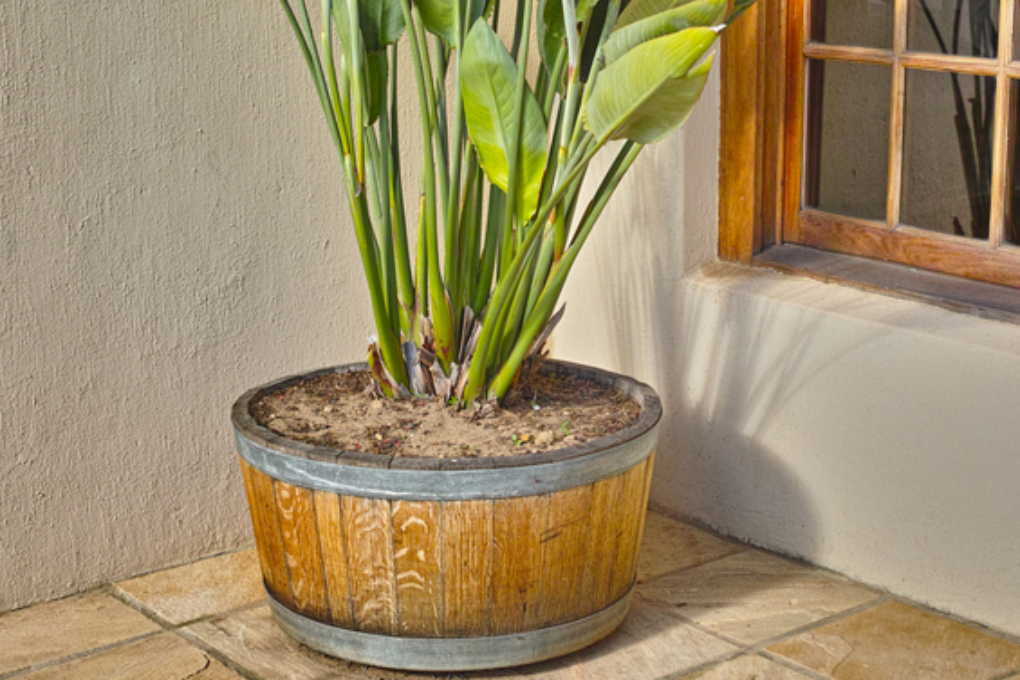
(764, 60)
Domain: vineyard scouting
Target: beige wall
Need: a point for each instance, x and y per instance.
(171, 234)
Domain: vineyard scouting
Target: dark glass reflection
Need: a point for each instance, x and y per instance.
(947, 152)
(859, 23)
(848, 138)
(967, 28)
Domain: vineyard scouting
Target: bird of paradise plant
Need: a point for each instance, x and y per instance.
(499, 221)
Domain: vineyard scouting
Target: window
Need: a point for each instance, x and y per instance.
(877, 129)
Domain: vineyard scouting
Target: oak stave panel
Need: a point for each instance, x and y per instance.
(369, 543)
(334, 558)
(517, 561)
(417, 553)
(564, 544)
(467, 528)
(296, 511)
(262, 504)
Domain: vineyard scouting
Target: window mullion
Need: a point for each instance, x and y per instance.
(1001, 141)
(896, 115)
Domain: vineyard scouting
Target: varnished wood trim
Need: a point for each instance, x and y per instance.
(1001, 143)
(975, 298)
(859, 55)
(795, 114)
(949, 63)
(926, 250)
(740, 140)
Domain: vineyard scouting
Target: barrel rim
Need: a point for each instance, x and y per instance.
(651, 412)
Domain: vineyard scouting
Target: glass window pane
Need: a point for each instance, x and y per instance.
(1013, 167)
(860, 23)
(947, 152)
(848, 138)
(964, 27)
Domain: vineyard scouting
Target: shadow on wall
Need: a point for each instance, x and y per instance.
(723, 366)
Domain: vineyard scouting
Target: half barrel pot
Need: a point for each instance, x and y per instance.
(449, 564)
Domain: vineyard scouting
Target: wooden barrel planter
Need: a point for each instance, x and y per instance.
(449, 564)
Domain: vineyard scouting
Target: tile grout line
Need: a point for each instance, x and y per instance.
(178, 629)
(78, 655)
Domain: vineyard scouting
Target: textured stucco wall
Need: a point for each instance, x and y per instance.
(170, 234)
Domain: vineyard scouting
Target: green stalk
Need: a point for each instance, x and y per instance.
(379, 195)
(439, 307)
(315, 68)
(389, 342)
(517, 119)
(490, 251)
(550, 296)
(389, 139)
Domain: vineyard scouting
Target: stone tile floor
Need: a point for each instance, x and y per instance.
(705, 609)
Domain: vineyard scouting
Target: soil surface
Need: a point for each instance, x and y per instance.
(340, 411)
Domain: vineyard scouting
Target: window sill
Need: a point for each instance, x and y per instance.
(976, 298)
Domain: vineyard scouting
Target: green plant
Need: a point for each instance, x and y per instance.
(498, 225)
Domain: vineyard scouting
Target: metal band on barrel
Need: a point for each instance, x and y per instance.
(441, 654)
(448, 485)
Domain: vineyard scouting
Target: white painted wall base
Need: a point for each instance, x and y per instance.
(874, 436)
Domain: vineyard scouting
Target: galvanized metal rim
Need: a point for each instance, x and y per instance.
(451, 654)
(373, 476)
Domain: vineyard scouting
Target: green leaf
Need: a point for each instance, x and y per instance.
(487, 80)
(649, 91)
(642, 9)
(699, 13)
(439, 18)
(381, 22)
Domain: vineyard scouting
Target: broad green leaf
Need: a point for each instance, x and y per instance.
(649, 91)
(440, 19)
(642, 9)
(699, 13)
(487, 80)
(381, 22)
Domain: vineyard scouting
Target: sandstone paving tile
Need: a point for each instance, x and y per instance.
(894, 640)
(203, 588)
(747, 668)
(651, 643)
(53, 630)
(669, 545)
(163, 657)
(751, 596)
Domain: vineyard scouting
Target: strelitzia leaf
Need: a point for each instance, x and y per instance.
(440, 19)
(487, 80)
(381, 22)
(699, 13)
(650, 90)
(642, 9)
